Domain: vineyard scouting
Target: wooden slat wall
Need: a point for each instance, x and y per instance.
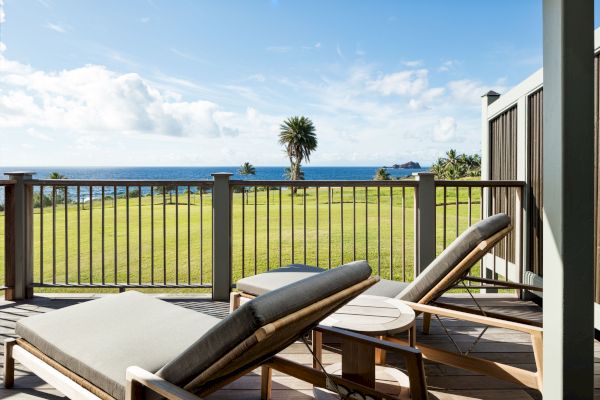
(596, 172)
(535, 104)
(503, 165)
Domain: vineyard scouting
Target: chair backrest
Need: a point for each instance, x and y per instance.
(456, 260)
(266, 325)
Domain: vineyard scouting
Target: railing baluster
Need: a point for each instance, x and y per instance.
(127, 229)
(53, 234)
(354, 222)
(42, 198)
(404, 234)
(317, 238)
(444, 218)
(189, 258)
(91, 235)
(152, 235)
(164, 226)
(378, 230)
(470, 206)
(102, 240)
(139, 235)
(280, 190)
(304, 223)
(292, 195)
(115, 249)
(202, 233)
(177, 234)
(329, 226)
(255, 229)
(342, 224)
(367, 223)
(457, 205)
(66, 235)
(391, 233)
(268, 231)
(244, 199)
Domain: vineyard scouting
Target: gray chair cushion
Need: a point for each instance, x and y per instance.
(256, 313)
(276, 278)
(452, 255)
(99, 339)
(387, 288)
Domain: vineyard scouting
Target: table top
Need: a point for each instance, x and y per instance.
(373, 315)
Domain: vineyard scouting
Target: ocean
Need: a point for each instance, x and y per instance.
(192, 173)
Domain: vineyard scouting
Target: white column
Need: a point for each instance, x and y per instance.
(568, 193)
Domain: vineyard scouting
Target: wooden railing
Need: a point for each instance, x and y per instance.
(206, 234)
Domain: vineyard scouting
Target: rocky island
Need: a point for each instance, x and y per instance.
(407, 165)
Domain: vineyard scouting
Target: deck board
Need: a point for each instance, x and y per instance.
(444, 382)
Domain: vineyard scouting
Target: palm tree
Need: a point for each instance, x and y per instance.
(299, 138)
(287, 174)
(56, 175)
(245, 170)
(381, 175)
(63, 189)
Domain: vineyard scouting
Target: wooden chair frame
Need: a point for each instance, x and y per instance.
(139, 380)
(428, 306)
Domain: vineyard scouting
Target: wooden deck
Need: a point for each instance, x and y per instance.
(444, 382)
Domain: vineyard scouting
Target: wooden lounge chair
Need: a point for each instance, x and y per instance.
(448, 270)
(133, 346)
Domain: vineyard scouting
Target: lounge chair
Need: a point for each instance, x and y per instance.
(444, 273)
(133, 346)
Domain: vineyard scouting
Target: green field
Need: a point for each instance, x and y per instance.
(380, 230)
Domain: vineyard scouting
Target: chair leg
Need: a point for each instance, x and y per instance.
(538, 351)
(426, 323)
(317, 345)
(9, 364)
(234, 301)
(266, 382)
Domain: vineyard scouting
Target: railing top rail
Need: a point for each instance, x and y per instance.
(118, 182)
(483, 183)
(323, 183)
(7, 182)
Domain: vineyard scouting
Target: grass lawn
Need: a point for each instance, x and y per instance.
(380, 230)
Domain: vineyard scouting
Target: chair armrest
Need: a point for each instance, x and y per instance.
(479, 319)
(137, 375)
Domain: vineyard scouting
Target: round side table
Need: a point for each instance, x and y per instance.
(374, 316)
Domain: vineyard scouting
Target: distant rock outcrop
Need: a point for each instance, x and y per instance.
(407, 165)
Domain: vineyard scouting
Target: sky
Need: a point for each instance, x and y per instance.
(208, 83)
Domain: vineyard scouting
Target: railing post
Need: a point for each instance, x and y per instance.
(424, 220)
(221, 226)
(19, 237)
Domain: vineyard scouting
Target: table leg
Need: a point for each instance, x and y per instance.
(358, 363)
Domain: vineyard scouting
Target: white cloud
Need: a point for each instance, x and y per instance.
(93, 99)
(401, 83)
(2, 14)
(448, 65)
(467, 91)
(145, 20)
(445, 129)
(55, 27)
